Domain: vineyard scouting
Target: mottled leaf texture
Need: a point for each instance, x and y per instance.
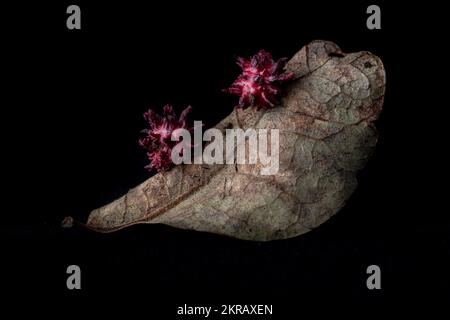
(326, 136)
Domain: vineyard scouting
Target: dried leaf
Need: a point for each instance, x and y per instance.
(326, 136)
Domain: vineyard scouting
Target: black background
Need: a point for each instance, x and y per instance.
(71, 132)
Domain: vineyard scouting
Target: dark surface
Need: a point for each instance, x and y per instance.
(78, 99)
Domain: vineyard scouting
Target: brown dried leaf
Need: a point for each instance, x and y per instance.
(326, 136)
